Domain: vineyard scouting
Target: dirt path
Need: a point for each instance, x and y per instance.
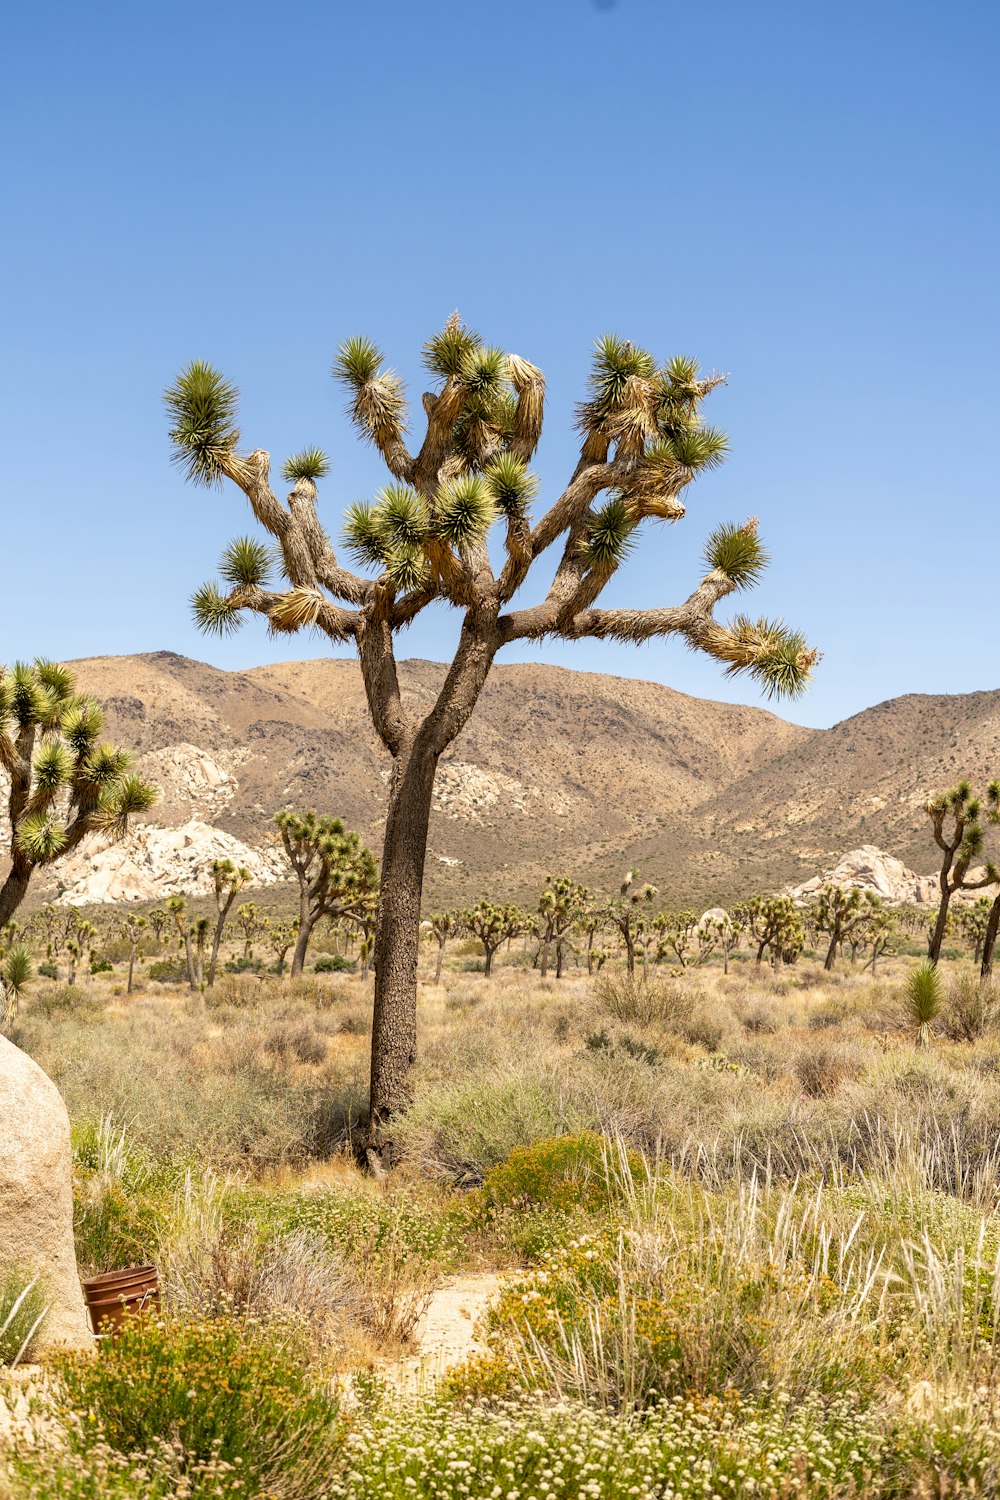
(446, 1334)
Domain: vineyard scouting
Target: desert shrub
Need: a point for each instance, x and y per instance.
(48, 970)
(295, 1039)
(335, 963)
(970, 1010)
(706, 1026)
(65, 1001)
(758, 1015)
(435, 1451)
(396, 1245)
(168, 971)
(23, 1308)
(101, 966)
(743, 1296)
(638, 1000)
(249, 965)
(565, 1171)
(119, 1199)
(228, 1391)
(821, 1067)
(546, 1193)
(461, 1130)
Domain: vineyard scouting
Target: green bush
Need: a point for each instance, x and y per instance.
(168, 971)
(335, 963)
(101, 966)
(563, 1172)
(48, 970)
(250, 965)
(226, 1391)
(22, 1314)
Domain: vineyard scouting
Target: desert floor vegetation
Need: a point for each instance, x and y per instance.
(746, 1228)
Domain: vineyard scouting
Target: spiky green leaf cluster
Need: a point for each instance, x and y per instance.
(738, 553)
(464, 511)
(446, 353)
(309, 463)
(246, 563)
(615, 364)
(357, 361)
(784, 670)
(611, 535)
(690, 448)
(378, 406)
(213, 613)
(511, 484)
(203, 408)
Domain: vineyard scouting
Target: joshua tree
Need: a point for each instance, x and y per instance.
(841, 911)
(335, 872)
(774, 924)
(493, 925)
(159, 920)
(63, 781)
(131, 927)
(989, 940)
(425, 539)
(251, 922)
(280, 936)
(200, 929)
(559, 907)
(678, 930)
(958, 833)
(442, 925)
(177, 908)
(227, 882)
(880, 930)
(725, 932)
(924, 999)
(974, 924)
(625, 912)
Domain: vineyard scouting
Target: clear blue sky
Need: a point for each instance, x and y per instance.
(802, 194)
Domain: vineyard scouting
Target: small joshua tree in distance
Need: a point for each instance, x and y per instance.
(423, 541)
(336, 873)
(958, 833)
(227, 882)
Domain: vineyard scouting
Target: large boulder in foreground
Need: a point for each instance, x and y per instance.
(36, 1195)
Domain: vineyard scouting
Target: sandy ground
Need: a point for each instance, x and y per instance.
(446, 1334)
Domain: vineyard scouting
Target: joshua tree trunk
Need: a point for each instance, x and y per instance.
(397, 940)
(131, 967)
(990, 940)
(13, 892)
(831, 952)
(302, 938)
(220, 926)
(440, 960)
(543, 957)
(941, 925)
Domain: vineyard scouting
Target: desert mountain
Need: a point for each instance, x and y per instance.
(558, 770)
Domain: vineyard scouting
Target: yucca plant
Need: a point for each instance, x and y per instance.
(924, 998)
(64, 782)
(425, 539)
(16, 973)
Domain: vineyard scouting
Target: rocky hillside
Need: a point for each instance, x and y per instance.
(557, 770)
